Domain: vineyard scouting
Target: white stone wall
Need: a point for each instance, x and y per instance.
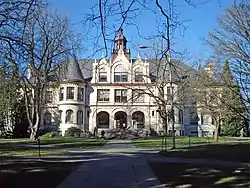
(67, 104)
(91, 107)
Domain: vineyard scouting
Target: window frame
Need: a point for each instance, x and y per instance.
(69, 119)
(79, 116)
(49, 96)
(70, 94)
(140, 94)
(100, 79)
(139, 76)
(180, 117)
(80, 94)
(61, 95)
(123, 96)
(120, 75)
(101, 95)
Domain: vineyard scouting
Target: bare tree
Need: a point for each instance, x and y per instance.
(107, 17)
(41, 42)
(231, 41)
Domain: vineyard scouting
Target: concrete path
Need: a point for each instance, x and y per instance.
(117, 164)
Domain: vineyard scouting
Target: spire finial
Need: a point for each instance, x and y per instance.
(103, 55)
(138, 56)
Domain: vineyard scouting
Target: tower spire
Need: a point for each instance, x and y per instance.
(120, 44)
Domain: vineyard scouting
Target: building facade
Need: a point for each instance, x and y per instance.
(112, 94)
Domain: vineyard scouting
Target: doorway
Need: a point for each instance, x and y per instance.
(120, 120)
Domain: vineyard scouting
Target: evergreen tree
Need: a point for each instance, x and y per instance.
(232, 123)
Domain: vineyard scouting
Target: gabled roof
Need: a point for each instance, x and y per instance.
(82, 70)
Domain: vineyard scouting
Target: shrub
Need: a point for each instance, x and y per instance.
(50, 134)
(73, 131)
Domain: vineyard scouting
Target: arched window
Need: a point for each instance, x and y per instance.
(79, 117)
(102, 120)
(121, 74)
(180, 116)
(60, 116)
(138, 119)
(69, 116)
(47, 118)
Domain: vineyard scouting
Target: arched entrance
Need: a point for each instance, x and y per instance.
(138, 120)
(102, 120)
(120, 120)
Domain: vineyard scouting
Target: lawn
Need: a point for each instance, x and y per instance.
(228, 149)
(193, 175)
(180, 141)
(225, 151)
(49, 146)
(39, 174)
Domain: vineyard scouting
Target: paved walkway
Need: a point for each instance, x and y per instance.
(117, 164)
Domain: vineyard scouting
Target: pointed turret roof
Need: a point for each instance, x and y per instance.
(73, 73)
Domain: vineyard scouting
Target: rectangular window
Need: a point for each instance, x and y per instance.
(49, 97)
(70, 92)
(153, 113)
(121, 77)
(138, 77)
(120, 95)
(80, 94)
(138, 95)
(103, 95)
(102, 77)
(61, 93)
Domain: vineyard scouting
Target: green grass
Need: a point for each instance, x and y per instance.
(194, 175)
(49, 146)
(238, 152)
(228, 148)
(180, 141)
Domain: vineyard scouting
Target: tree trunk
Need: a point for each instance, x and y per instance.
(217, 128)
(34, 129)
(165, 127)
(34, 132)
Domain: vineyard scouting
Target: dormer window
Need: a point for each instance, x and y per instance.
(120, 74)
(138, 75)
(121, 77)
(102, 77)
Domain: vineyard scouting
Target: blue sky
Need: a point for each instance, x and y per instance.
(200, 21)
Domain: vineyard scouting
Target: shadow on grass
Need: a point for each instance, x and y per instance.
(51, 146)
(239, 152)
(193, 175)
(34, 174)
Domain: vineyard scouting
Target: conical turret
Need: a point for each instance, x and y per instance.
(73, 72)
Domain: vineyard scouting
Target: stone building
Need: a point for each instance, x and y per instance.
(97, 95)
